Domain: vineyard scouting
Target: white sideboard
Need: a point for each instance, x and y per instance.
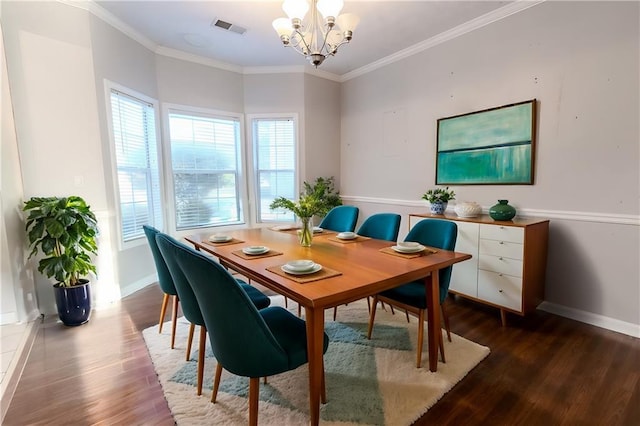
(508, 264)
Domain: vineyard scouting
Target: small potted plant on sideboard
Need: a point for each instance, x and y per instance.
(439, 198)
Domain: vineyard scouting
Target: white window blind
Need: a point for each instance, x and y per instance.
(136, 152)
(205, 162)
(275, 158)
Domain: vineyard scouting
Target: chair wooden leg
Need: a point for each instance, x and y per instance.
(192, 328)
(441, 345)
(335, 312)
(174, 321)
(286, 302)
(368, 304)
(254, 390)
(445, 319)
(201, 349)
(163, 310)
(420, 336)
(372, 316)
(407, 315)
(216, 383)
(299, 311)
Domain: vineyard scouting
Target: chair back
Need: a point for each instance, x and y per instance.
(382, 226)
(240, 339)
(437, 233)
(188, 302)
(164, 276)
(341, 219)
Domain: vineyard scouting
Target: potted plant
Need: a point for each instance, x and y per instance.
(323, 189)
(439, 198)
(64, 229)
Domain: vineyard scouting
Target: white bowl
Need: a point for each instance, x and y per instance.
(300, 265)
(255, 249)
(408, 245)
(219, 238)
(347, 235)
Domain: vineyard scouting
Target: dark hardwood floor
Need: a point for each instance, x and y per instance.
(542, 370)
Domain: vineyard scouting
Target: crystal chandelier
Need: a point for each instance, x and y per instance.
(321, 34)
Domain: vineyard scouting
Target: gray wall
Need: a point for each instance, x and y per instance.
(580, 61)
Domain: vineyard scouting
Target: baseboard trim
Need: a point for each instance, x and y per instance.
(138, 285)
(601, 321)
(16, 367)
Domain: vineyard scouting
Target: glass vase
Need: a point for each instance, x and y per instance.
(306, 232)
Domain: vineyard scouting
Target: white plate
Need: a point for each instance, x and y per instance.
(220, 238)
(284, 227)
(316, 268)
(253, 250)
(301, 265)
(347, 235)
(408, 250)
(317, 229)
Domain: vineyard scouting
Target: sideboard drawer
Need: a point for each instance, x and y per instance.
(501, 248)
(500, 289)
(502, 233)
(501, 265)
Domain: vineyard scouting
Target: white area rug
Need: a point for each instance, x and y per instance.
(371, 382)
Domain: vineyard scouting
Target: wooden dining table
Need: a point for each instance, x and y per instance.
(353, 270)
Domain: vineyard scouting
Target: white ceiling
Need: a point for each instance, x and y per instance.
(386, 27)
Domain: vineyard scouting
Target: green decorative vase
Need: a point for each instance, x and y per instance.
(502, 211)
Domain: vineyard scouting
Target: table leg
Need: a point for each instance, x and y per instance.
(433, 317)
(315, 337)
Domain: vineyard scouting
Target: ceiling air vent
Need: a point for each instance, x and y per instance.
(219, 23)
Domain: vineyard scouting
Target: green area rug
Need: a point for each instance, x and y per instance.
(368, 382)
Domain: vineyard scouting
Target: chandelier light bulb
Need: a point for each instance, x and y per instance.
(348, 22)
(283, 28)
(295, 9)
(330, 7)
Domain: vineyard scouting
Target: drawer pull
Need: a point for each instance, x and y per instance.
(500, 258)
(501, 242)
(500, 291)
(500, 276)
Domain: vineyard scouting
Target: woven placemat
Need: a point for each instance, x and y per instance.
(425, 252)
(224, 243)
(358, 239)
(243, 255)
(320, 275)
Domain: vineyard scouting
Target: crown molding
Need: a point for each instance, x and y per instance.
(474, 24)
(479, 22)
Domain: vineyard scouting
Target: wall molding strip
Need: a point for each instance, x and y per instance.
(608, 323)
(610, 218)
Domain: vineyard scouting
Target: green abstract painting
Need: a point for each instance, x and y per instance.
(493, 146)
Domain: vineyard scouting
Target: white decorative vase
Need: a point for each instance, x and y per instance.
(468, 209)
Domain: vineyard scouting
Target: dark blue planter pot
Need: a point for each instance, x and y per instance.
(74, 303)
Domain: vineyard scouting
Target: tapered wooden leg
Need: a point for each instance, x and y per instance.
(201, 349)
(216, 383)
(372, 316)
(432, 289)
(445, 319)
(407, 315)
(163, 310)
(192, 328)
(441, 344)
(174, 321)
(254, 389)
(323, 390)
(286, 302)
(368, 304)
(335, 312)
(420, 336)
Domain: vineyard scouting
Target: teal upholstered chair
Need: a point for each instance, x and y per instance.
(412, 296)
(188, 301)
(245, 341)
(165, 281)
(381, 226)
(341, 219)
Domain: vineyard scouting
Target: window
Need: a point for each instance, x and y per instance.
(136, 163)
(205, 167)
(274, 142)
